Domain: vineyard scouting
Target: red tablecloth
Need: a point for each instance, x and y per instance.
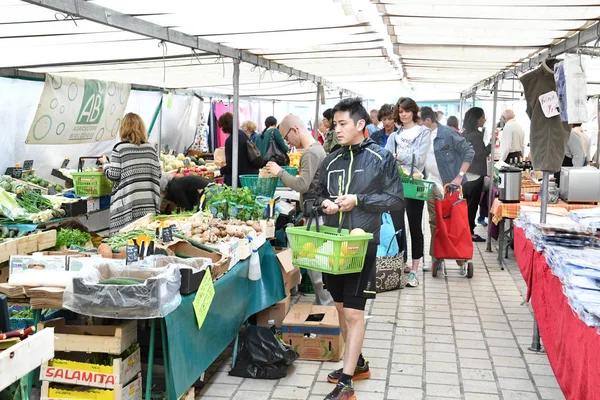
(572, 346)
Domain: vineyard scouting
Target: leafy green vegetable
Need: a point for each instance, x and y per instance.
(67, 237)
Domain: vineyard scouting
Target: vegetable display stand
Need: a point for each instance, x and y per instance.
(417, 189)
(326, 249)
(260, 186)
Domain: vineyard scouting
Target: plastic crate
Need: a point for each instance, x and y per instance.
(22, 323)
(260, 186)
(417, 189)
(91, 184)
(327, 250)
(293, 171)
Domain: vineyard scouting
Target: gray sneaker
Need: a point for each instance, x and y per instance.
(413, 281)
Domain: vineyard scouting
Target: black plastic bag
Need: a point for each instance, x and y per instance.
(261, 355)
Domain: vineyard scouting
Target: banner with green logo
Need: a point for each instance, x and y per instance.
(75, 110)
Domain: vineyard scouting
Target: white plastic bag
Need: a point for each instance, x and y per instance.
(575, 76)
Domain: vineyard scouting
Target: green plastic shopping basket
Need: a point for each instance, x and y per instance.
(290, 170)
(260, 186)
(417, 189)
(327, 249)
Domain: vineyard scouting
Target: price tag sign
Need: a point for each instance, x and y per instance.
(550, 104)
(186, 162)
(51, 190)
(28, 165)
(204, 298)
(17, 173)
(167, 234)
(65, 163)
(133, 253)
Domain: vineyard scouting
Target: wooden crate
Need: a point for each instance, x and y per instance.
(93, 338)
(86, 374)
(7, 249)
(27, 244)
(132, 391)
(22, 358)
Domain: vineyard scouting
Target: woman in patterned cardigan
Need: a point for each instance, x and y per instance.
(135, 171)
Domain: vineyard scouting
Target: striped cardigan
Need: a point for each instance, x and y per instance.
(135, 171)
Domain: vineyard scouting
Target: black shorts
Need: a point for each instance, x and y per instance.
(354, 289)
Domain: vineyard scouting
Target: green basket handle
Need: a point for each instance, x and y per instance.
(314, 215)
(81, 162)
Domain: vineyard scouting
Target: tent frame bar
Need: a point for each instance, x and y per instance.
(115, 19)
(564, 46)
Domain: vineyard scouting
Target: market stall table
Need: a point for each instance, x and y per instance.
(190, 351)
(571, 345)
(510, 211)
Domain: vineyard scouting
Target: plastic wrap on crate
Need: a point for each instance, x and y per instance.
(156, 297)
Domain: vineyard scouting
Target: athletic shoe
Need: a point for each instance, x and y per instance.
(413, 281)
(477, 239)
(341, 392)
(481, 221)
(360, 373)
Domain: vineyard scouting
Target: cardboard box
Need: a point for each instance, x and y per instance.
(220, 261)
(20, 264)
(229, 249)
(291, 274)
(314, 332)
(276, 313)
(93, 375)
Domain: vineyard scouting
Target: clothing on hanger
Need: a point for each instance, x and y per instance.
(548, 136)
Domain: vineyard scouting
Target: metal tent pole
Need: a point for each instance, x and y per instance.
(211, 114)
(273, 108)
(235, 128)
(597, 156)
(536, 344)
(491, 175)
(316, 126)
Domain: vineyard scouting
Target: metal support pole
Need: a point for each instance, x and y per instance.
(341, 94)
(536, 345)
(273, 108)
(491, 174)
(316, 126)
(160, 121)
(460, 111)
(150, 360)
(597, 156)
(213, 139)
(235, 129)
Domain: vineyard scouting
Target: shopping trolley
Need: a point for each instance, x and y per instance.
(452, 239)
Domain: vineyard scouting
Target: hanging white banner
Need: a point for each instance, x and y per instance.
(75, 110)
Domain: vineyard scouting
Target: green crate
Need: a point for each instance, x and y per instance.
(324, 250)
(293, 171)
(417, 189)
(259, 186)
(91, 184)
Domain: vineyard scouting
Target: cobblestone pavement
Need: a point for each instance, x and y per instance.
(451, 337)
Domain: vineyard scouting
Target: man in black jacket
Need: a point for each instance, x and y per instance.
(362, 180)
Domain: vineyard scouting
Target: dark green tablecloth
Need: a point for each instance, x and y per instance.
(192, 350)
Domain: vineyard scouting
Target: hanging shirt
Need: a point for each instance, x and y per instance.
(431, 167)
